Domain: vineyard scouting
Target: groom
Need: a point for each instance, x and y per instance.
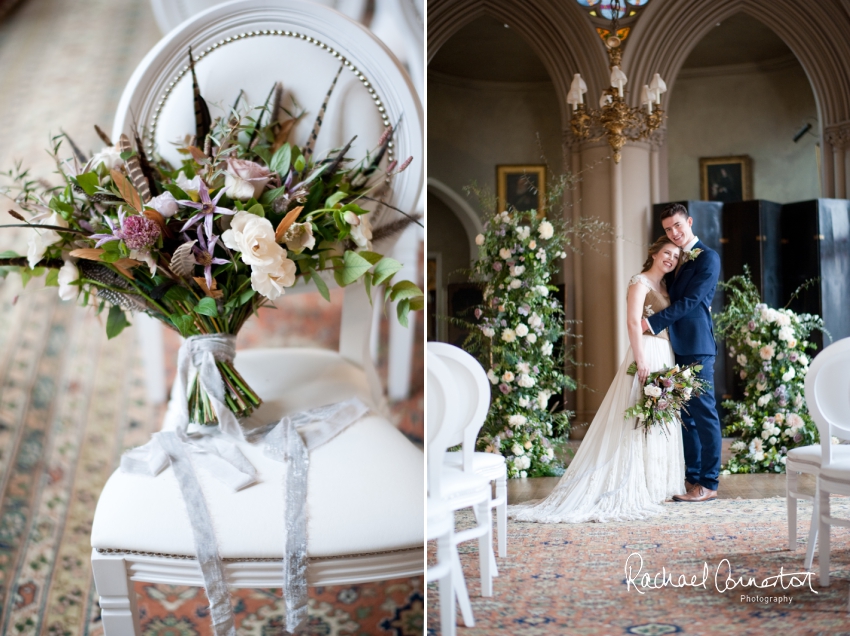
(688, 321)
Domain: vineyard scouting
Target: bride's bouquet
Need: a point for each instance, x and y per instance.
(202, 245)
(665, 393)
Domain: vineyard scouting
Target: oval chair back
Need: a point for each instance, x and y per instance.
(828, 395)
(442, 415)
(473, 390)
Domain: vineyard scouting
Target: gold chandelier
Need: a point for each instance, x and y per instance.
(616, 120)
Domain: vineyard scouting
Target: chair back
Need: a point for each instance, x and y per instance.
(828, 395)
(441, 418)
(473, 391)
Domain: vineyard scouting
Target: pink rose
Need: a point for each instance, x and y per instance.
(245, 179)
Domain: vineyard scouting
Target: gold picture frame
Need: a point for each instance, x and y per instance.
(521, 188)
(726, 179)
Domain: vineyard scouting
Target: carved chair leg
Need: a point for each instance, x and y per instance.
(118, 609)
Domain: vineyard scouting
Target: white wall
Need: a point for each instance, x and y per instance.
(754, 113)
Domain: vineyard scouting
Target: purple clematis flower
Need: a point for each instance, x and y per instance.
(116, 234)
(206, 209)
(203, 252)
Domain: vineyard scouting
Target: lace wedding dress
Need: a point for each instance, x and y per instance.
(619, 473)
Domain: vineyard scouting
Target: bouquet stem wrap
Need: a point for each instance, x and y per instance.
(213, 450)
(216, 392)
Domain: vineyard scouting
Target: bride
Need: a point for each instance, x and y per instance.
(620, 473)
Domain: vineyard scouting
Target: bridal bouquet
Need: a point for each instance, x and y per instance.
(768, 348)
(664, 395)
(202, 245)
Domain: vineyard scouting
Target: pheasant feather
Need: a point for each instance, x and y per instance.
(203, 121)
(134, 169)
(308, 149)
(145, 165)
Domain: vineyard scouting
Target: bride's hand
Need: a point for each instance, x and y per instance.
(642, 372)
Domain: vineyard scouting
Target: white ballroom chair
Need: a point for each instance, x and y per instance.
(141, 524)
(474, 388)
(441, 529)
(810, 459)
(454, 488)
(828, 400)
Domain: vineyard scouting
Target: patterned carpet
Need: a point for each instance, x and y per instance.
(570, 579)
(71, 401)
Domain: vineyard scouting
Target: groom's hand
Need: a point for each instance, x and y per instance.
(644, 326)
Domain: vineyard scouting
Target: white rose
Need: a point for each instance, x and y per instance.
(792, 342)
(525, 381)
(517, 270)
(67, 275)
(40, 240)
(515, 284)
(517, 450)
(521, 330)
(532, 244)
(794, 421)
(742, 359)
(491, 375)
(508, 335)
(269, 280)
(253, 237)
(542, 290)
(531, 337)
(546, 348)
(543, 399)
(245, 179)
(523, 367)
(545, 230)
(686, 373)
(783, 459)
(541, 255)
(760, 386)
(782, 319)
(517, 420)
(505, 253)
(508, 376)
(764, 399)
(479, 240)
(523, 232)
(165, 204)
(523, 402)
(652, 391)
(489, 332)
(299, 237)
(550, 452)
(765, 434)
(759, 456)
(109, 158)
(788, 375)
(766, 352)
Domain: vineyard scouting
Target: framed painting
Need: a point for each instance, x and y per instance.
(726, 179)
(521, 187)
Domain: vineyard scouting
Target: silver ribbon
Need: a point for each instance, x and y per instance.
(289, 441)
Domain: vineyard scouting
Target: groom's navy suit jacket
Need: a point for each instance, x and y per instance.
(688, 319)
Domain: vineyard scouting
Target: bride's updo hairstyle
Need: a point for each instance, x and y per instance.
(660, 242)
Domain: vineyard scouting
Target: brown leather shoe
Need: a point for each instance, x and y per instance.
(696, 494)
(688, 486)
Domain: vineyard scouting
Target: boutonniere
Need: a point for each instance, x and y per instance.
(690, 255)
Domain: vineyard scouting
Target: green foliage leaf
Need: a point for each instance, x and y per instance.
(300, 164)
(115, 322)
(281, 159)
(372, 257)
(52, 278)
(88, 181)
(271, 195)
(178, 294)
(321, 285)
(334, 199)
(184, 323)
(417, 304)
(127, 154)
(385, 268)
(402, 310)
(257, 209)
(245, 296)
(206, 307)
(353, 267)
(405, 290)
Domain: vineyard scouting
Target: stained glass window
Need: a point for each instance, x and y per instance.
(601, 12)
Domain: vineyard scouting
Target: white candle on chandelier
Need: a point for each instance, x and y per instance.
(577, 90)
(647, 97)
(618, 79)
(657, 86)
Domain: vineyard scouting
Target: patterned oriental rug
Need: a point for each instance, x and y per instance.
(571, 579)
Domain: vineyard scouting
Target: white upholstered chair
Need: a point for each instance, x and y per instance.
(828, 400)
(455, 488)
(474, 397)
(362, 526)
(810, 459)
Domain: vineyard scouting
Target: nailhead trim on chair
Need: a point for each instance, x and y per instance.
(292, 34)
(253, 559)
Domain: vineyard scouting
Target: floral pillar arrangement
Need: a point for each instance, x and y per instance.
(520, 326)
(768, 348)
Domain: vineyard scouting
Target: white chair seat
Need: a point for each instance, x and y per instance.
(837, 471)
(812, 454)
(458, 486)
(347, 478)
(488, 465)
